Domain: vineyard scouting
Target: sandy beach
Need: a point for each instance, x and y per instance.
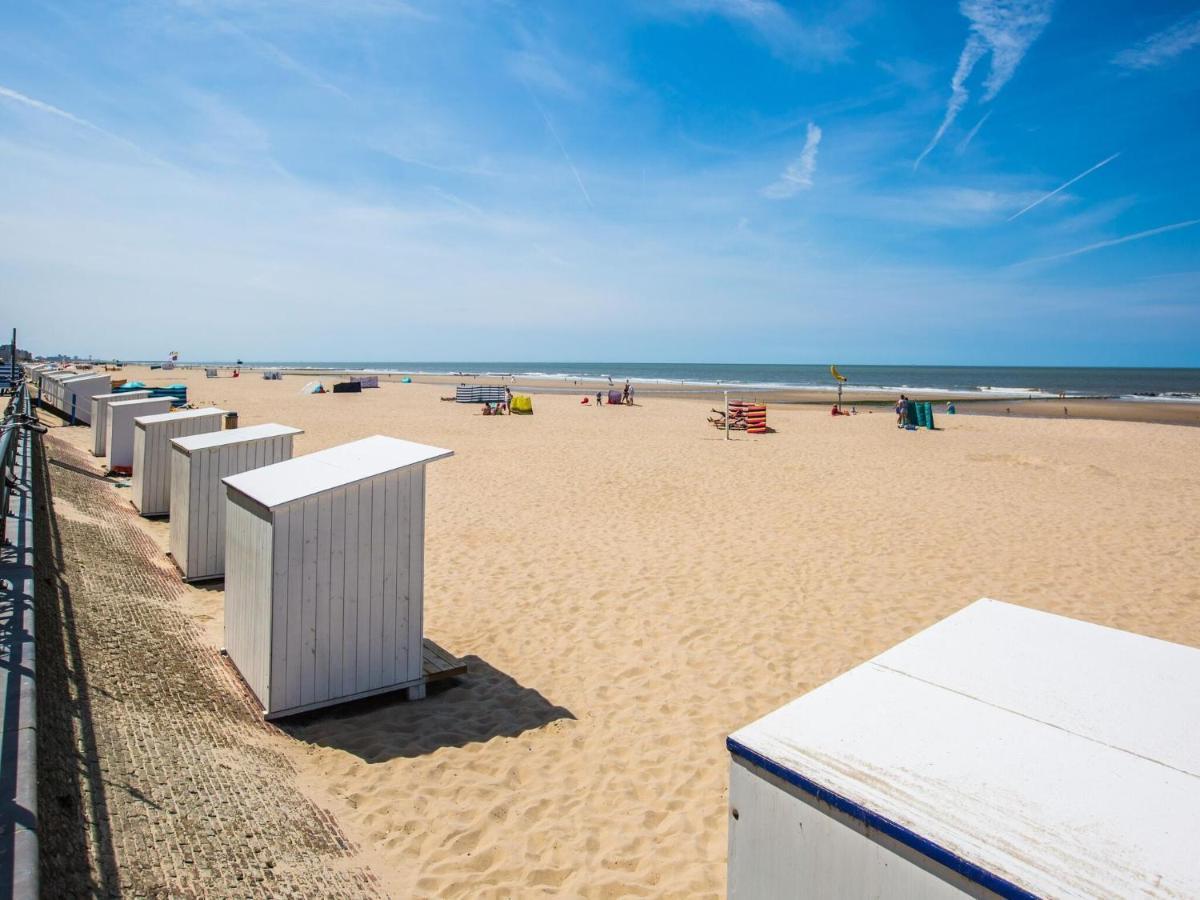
(628, 588)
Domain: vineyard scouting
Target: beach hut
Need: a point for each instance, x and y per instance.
(1001, 752)
(119, 437)
(198, 463)
(78, 393)
(324, 574)
(151, 483)
(99, 411)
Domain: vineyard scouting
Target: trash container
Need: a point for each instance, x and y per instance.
(230, 421)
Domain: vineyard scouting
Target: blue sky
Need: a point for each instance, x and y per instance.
(681, 180)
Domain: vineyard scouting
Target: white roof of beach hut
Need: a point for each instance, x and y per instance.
(1054, 756)
(233, 436)
(324, 470)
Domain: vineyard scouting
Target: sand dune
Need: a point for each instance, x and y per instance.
(629, 588)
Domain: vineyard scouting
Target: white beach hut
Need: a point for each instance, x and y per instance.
(198, 463)
(151, 483)
(50, 389)
(99, 422)
(1001, 752)
(78, 393)
(119, 430)
(324, 574)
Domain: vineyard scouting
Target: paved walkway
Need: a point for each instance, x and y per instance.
(158, 778)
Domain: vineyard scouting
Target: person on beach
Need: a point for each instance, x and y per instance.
(901, 411)
(507, 398)
(629, 399)
(599, 398)
(625, 393)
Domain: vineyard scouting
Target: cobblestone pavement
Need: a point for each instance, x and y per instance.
(158, 777)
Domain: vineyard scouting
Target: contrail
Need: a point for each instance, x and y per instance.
(1162, 229)
(32, 103)
(1063, 187)
(566, 155)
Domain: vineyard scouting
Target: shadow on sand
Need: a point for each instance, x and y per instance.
(481, 705)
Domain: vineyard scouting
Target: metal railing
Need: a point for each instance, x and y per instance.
(19, 429)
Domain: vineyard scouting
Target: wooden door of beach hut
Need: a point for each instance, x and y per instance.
(151, 483)
(324, 574)
(198, 463)
(119, 438)
(1001, 752)
(99, 423)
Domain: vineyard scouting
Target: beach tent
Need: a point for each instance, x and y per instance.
(272, 375)
(521, 404)
(1001, 752)
(406, 380)
(210, 373)
(311, 618)
(367, 381)
(614, 398)
(313, 387)
(478, 393)
(347, 387)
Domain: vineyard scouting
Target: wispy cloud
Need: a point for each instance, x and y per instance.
(1164, 46)
(1062, 187)
(799, 173)
(800, 42)
(32, 103)
(1100, 245)
(966, 142)
(280, 57)
(1004, 28)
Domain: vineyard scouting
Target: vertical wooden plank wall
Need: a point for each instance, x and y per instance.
(151, 485)
(347, 590)
(120, 427)
(100, 417)
(181, 493)
(201, 531)
(248, 612)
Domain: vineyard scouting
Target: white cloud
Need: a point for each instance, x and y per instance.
(799, 173)
(1004, 28)
(1062, 187)
(1164, 46)
(800, 42)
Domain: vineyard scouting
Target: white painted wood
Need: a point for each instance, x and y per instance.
(345, 588)
(77, 393)
(119, 439)
(99, 421)
(150, 487)
(1060, 757)
(785, 844)
(198, 464)
(248, 614)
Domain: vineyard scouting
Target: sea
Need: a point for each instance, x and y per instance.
(1001, 381)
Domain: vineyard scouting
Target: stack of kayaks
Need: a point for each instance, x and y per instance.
(756, 418)
(748, 417)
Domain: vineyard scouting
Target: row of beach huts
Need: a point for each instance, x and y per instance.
(322, 554)
(1002, 752)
